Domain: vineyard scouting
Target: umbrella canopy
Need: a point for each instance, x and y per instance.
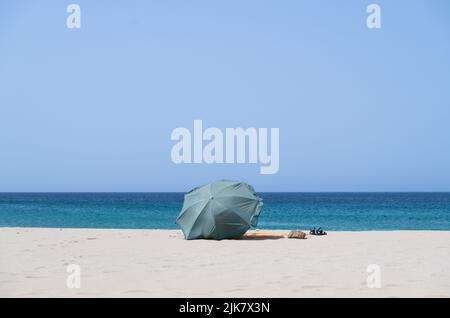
(219, 210)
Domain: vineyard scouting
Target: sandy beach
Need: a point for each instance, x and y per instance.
(160, 263)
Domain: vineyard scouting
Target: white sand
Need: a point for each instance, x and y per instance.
(159, 263)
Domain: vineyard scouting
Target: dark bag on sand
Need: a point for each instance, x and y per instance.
(297, 235)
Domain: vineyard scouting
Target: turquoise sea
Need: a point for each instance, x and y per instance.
(332, 211)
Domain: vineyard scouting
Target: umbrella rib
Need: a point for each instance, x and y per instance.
(237, 196)
(191, 205)
(198, 215)
(231, 209)
(251, 196)
(228, 186)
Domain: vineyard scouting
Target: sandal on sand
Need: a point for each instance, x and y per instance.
(297, 235)
(317, 231)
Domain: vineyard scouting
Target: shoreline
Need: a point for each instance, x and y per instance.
(251, 230)
(160, 263)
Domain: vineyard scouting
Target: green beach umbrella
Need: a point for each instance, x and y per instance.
(219, 210)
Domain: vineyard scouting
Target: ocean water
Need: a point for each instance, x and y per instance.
(332, 211)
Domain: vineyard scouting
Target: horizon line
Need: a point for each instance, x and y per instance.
(143, 192)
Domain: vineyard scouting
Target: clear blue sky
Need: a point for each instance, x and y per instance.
(92, 109)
